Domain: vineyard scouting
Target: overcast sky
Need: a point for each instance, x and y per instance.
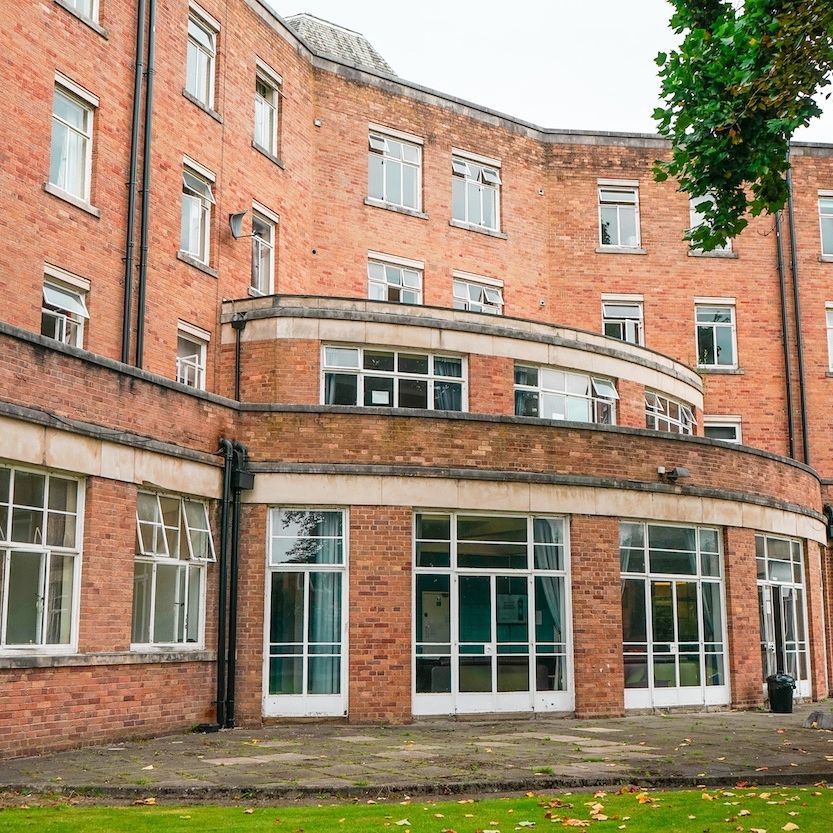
(579, 64)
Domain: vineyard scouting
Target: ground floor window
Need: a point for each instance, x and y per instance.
(783, 610)
(306, 620)
(491, 605)
(672, 615)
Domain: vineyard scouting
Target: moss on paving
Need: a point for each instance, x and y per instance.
(771, 809)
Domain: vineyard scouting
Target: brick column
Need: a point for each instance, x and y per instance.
(107, 566)
(250, 626)
(491, 385)
(815, 620)
(379, 606)
(630, 409)
(743, 618)
(597, 616)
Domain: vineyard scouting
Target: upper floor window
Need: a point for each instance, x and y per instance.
(475, 190)
(267, 103)
(64, 309)
(550, 393)
(623, 320)
(264, 225)
(40, 556)
(826, 221)
(696, 209)
(191, 350)
(394, 169)
(197, 199)
(664, 414)
(619, 216)
(85, 8)
(202, 55)
(829, 317)
(394, 279)
(393, 379)
(70, 161)
(173, 544)
(716, 336)
(726, 428)
(478, 294)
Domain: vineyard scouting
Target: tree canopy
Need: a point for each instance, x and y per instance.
(734, 92)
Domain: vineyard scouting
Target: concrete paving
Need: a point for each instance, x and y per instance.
(442, 757)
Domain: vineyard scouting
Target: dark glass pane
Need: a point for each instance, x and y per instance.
(286, 615)
(286, 675)
(662, 612)
(491, 528)
(549, 609)
(688, 629)
(324, 675)
(437, 527)
(448, 396)
(433, 611)
(433, 675)
(432, 554)
(550, 674)
(340, 389)
(634, 623)
(671, 537)
(475, 673)
(513, 673)
(378, 361)
(636, 670)
(28, 489)
(413, 393)
(492, 556)
(475, 609)
(378, 391)
(526, 376)
(413, 363)
(526, 403)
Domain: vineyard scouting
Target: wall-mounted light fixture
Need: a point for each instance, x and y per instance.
(235, 222)
(672, 475)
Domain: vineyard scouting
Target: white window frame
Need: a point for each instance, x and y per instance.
(306, 704)
(197, 182)
(89, 103)
(696, 219)
(161, 556)
(188, 371)
(45, 551)
(396, 375)
(633, 328)
(76, 5)
(489, 290)
(828, 314)
(486, 174)
(259, 286)
(378, 147)
(732, 421)
(716, 303)
(658, 407)
(825, 203)
(265, 75)
(69, 319)
(211, 27)
(613, 186)
(400, 264)
(596, 386)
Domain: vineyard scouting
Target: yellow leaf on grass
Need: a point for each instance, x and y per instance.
(744, 813)
(790, 826)
(707, 797)
(248, 811)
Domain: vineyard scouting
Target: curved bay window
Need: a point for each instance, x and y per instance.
(672, 615)
(491, 614)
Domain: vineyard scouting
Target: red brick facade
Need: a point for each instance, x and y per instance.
(122, 429)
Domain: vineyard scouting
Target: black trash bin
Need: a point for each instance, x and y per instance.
(780, 689)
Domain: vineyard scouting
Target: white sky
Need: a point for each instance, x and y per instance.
(578, 64)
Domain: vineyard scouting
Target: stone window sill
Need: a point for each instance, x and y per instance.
(725, 255)
(620, 250)
(268, 154)
(721, 371)
(197, 103)
(192, 261)
(399, 209)
(825, 258)
(8, 662)
(72, 200)
(87, 21)
(479, 229)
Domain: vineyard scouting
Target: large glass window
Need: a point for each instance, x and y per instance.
(475, 192)
(305, 627)
(195, 229)
(263, 254)
(267, 101)
(826, 222)
(201, 55)
(70, 162)
(619, 217)
(394, 171)
(396, 282)
(85, 8)
(550, 393)
(491, 613)
(672, 615)
(716, 336)
(40, 555)
(173, 545)
(191, 354)
(478, 295)
(63, 313)
(664, 414)
(393, 379)
(623, 320)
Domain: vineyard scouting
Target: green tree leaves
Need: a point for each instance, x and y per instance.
(740, 84)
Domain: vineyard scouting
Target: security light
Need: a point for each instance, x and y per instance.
(235, 222)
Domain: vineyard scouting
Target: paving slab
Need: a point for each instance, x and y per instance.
(445, 756)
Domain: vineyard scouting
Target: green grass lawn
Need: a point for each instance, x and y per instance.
(770, 809)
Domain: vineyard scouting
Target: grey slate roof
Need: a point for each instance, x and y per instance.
(342, 44)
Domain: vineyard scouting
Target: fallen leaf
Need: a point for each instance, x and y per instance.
(744, 813)
(790, 826)
(707, 797)
(248, 811)
(149, 766)
(149, 801)
(403, 823)
(572, 823)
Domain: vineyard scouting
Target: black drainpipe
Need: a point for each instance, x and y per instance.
(785, 337)
(242, 479)
(131, 180)
(238, 322)
(145, 213)
(227, 449)
(799, 343)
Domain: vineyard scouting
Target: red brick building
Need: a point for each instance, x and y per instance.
(323, 393)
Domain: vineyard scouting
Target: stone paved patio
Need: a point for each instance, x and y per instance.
(444, 756)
